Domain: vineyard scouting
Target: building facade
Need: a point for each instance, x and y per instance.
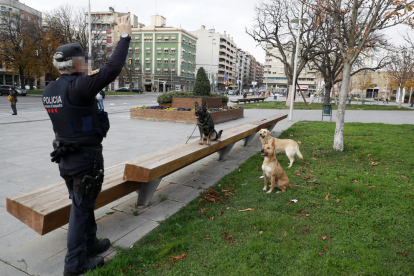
(217, 54)
(276, 80)
(26, 13)
(161, 58)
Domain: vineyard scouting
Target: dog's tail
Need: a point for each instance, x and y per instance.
(219, 134)
(298, 153)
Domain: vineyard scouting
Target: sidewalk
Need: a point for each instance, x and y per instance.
(25, 165)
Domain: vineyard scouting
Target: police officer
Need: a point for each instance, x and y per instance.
(80, 127)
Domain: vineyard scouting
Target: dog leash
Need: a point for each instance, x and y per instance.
(192, 133)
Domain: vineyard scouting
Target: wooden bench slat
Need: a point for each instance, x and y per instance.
(152, 166)
(47, 208)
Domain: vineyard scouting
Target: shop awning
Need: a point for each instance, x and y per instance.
(147, 83)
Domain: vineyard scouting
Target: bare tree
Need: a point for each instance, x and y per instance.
(355, 22)
(273, 28)
(18, 45)
(401, 69)
(70, 25)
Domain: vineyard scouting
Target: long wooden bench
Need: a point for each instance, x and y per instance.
(47, 208)
(249, 100)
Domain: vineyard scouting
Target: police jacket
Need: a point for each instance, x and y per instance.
(78, 119)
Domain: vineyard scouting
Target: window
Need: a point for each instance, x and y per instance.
(159, 70)
(173, 38)
(158, 60)
(148, 50)
(166, 61)
(137, 50)
(147, 60)
(173, 61)
(22, 15)
(183, 61)
(166, 38)
(137, 38)
(166, 50)
(137, 69)
(137, 60)
(165, 70)
(129, 50)
(159, 51)
(173, 71)
(148, 38)
(28, 18)
(159, 38)
(172, 50)
(147, 70)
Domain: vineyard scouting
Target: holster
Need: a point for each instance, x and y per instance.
(91, 185)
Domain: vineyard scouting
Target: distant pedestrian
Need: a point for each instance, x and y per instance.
(244, 95)
(350, 98)
(13, 100)
(412, 102)
(100, 97)
(386, 98)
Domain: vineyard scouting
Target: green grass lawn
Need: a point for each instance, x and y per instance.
(318, 106)
(40, 92)
(354, 214)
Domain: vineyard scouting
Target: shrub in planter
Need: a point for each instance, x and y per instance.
(202, 84)
(167, 97)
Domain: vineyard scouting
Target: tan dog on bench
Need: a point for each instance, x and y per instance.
(272, 169)
(288, 146)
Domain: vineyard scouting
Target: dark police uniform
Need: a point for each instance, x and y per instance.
(80, 127)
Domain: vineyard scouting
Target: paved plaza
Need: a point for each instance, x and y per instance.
(26, 142)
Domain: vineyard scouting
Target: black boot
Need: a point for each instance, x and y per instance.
(92, 263)
(102, 246)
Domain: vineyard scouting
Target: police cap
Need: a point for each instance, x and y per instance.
(69, 51)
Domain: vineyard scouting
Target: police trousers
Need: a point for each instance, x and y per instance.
(81, 239)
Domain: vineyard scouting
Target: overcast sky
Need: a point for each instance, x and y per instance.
(232, 16)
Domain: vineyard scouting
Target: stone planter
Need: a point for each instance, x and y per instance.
(165, 105)
(183, 116)
(189, 102)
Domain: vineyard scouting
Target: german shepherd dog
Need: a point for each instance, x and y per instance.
(206, 125)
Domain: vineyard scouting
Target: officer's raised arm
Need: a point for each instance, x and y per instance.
(90, 83)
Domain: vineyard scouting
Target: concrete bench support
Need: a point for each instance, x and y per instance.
(248, 139)
(270, 128)
(223, 152)
(146, 191)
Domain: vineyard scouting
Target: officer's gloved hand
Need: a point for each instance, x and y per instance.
(62, 150)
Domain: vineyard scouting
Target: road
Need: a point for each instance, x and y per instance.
(33, 103)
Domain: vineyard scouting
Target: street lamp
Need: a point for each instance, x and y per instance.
(211, 61)
(298, 21)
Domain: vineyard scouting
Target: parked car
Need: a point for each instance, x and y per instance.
(28, 87)
(220, 92)
(231, 92)
(122, 89)
(4, 90)
(137, 89)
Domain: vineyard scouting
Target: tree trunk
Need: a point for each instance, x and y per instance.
(21, 73)
(400, 97)
(327, 98)
(290, 94)
(340, 114)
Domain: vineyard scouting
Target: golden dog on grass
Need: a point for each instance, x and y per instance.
(288, 146)
(272, 169)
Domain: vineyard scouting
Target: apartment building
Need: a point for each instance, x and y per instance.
(243, 69)
(11, 7)
(217, 54)
(104, 31)
(276, 80)
(161, 58)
